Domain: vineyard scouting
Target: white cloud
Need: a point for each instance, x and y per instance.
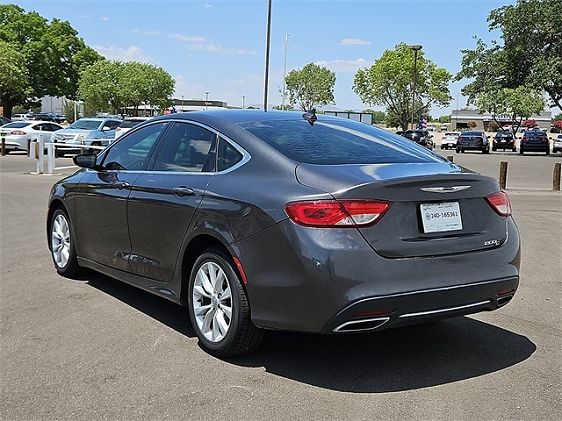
(343, 66)
(200, 43)
(144, 32)
(131, 53)
(104, 18)
(208, 6)
(351, 42)
(187, 90)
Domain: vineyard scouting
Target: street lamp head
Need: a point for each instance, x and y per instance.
(415, 47)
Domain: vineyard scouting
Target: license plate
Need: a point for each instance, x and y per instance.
(441, 217)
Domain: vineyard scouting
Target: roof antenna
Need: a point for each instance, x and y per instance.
(310, 116)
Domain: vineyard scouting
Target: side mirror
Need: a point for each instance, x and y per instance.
(86, 160)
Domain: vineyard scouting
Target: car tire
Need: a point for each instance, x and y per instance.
(547, 153)
(61, 244)
(219, 334)
(513, 149)
(58, 154)
(457, 150)
(495, 149)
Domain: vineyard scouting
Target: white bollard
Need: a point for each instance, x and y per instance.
(40, 160)
(50, 158)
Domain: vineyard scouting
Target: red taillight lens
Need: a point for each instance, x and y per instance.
(500, 203)
(17, 133)
(334, 213)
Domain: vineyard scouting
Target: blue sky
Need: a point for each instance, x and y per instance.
(219, 45)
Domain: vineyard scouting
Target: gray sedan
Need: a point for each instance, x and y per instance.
(286, 221)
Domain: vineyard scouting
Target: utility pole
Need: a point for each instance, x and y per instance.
(243, 102)
(285, 72)
(267, 42)
(206, 98)
(416, 48)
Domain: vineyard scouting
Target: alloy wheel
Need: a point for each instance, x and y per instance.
(60, 240)
(212, 301)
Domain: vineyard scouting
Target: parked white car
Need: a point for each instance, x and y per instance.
(17, 133)
(557, 144)
(449, 140)
(22, 117)
(128, 124)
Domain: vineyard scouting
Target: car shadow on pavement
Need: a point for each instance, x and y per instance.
(166, 312)
(393, 360)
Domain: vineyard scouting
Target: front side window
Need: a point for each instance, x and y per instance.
(187, 148)
(112, 124)
(132, 151)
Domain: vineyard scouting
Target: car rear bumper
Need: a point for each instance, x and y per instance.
(535, 147)
(316, 280)
(470, 147)
(504, 145)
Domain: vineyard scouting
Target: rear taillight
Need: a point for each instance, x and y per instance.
(17, 133)
(500, 203)
(334, 213)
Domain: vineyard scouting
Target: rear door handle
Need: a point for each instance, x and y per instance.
(183, 191)
(122, 185)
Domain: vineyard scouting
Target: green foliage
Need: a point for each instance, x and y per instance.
(389, 83)
(379, 117)
(50, 52)
(14, 76)
(311, 86)
(530, 55)
(445, 119)
(110, 86)
(519, 103)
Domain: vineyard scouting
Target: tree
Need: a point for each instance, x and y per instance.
(311, 86)
(51, 53)
(113, 85)
(445, 119)
(530, 55)
(472, 124)
(388, 82)
(14, 78)
(519, 103)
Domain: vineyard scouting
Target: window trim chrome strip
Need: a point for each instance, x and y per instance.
(245, 154)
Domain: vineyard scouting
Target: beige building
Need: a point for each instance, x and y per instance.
(460, 120)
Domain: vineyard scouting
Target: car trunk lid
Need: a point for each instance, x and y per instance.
(436, 209)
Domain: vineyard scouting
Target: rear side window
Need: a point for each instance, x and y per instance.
(187, 148)
(228, 156)
(338, 141)
(16, 125)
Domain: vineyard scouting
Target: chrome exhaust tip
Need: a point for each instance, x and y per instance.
(361, 325)
(501, 301)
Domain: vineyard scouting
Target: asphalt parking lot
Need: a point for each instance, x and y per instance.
(99, 349)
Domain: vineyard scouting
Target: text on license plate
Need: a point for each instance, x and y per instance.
(439, 217)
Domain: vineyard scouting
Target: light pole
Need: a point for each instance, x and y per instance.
(267, 39)
(416, 48)
(243, 102)
(285, 71)
(206, 98)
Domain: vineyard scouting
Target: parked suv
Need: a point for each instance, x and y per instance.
(86, 132)
(504, 140)
(534, 141)
(421, 137)
(473, 141)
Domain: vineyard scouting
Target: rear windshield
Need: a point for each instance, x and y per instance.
(127, 124)
(504, 135)
(338, 141)
(535, 133)
(466, 134)
(17, 125)
(85, 125)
